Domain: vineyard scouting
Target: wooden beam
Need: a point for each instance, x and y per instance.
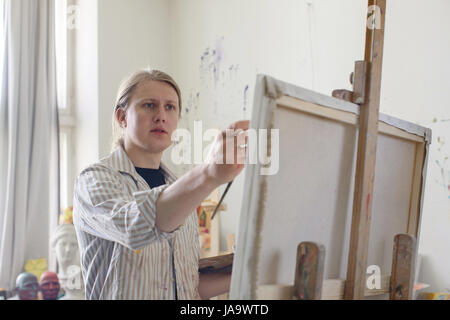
(343, 94)
(358, 81)
(403, 267)
(344, 117)
(392, 131)
(367, 147)
(317, 110)
(416, 191)
(309, 271)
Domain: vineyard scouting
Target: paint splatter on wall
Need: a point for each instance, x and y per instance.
(245, 97)
(444, 180)
(439, 155)
(435, 120)
(192, 104)
(223, 94)
(211, 60)
(220, 97)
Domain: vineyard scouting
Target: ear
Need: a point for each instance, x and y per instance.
(121, 117)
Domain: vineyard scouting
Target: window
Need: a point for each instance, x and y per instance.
(63, 46)
(63, 168)
(2, 38)
(61, 53)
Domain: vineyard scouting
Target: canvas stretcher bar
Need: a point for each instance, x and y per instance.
(388, 128)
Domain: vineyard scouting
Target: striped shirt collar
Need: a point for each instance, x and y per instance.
(120, 161)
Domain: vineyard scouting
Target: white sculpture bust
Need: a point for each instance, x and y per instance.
(64, 242)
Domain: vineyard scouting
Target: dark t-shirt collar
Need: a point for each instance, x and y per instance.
(153, 177)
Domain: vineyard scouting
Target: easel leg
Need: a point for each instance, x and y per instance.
(403, 267)
(309, 271)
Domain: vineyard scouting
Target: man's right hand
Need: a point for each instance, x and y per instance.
(226, 158)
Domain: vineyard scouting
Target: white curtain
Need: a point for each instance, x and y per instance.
(29, 164)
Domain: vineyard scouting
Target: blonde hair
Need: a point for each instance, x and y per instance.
(126, 89)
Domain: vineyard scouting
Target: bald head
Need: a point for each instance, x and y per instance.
(49, 285)
(27, 286)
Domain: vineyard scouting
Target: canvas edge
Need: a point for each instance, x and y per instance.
(244, 272)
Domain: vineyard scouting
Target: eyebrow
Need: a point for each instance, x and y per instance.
(153, 99)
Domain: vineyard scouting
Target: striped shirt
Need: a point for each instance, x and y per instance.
(123, 254)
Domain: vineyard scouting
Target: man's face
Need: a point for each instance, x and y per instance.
(49, 286)
(28, 287)
(152, 116)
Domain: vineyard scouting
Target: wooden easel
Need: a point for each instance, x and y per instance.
(366, 81)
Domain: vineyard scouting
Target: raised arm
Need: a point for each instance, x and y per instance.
(182, 197)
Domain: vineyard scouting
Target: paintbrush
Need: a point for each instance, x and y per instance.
(221, 199)
(243, 146)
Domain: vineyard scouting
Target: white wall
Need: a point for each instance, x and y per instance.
(133, 34)
(85, 84)
(309, 43)
(415, 88)
(114, 39)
